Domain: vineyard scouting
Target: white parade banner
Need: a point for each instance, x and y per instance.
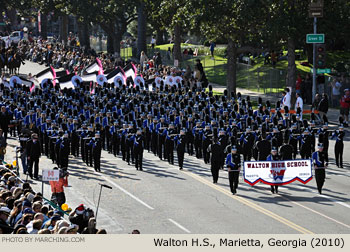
(50, 175)
(277, 172)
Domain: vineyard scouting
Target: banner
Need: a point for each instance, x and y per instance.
(50, 175)
(277, 172)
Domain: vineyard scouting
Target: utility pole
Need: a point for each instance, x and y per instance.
(315, 11)
(314, 63)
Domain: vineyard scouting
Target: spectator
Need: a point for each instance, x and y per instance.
(72, 229)
(308, 89)
(336, 85)
(158, 60)
(4, 215)
(344, 107)
(135, 231)
(298, 84)
(36, 226)
(212, 48)
(91, 228)
(143, 59)
(50, 224)
(2, 146)
(273, 58)
(323, 107)
(153, 42)
(101, 231)
(44, 231)
(77, 217)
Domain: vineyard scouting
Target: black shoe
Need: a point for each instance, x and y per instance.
(180, 168)
(273, 191)
(36, 178)
(141, 169)
(276, 190)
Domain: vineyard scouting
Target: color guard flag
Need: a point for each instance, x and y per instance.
(59, 74)
(116, 72)
(66, 81)
(90, 76)
(277, 172)
(99, 63)
(130, 71)
(93, 67)
(48, 73)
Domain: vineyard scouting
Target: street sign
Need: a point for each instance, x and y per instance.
(315, 38)
(322, 71)
(316, 8)
(317, 13)
(51, 175)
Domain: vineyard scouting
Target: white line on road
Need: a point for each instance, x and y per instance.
(336, 201)
(326, 196)
(128, 193)
(180, 226)
(316, 212)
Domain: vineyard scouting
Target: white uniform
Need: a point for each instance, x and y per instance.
(286, 101)
(299, 104)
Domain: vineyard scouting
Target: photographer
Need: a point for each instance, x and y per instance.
(80, 216)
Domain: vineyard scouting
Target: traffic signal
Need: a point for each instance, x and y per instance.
(320, 56)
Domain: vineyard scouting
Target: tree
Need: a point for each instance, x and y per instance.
(141, 28)
(240, 22)
(289, 23)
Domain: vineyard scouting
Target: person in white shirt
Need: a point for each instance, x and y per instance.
(286, 100)
(299, 104)
(153, 42)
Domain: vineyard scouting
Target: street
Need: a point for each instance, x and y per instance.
(161, 199)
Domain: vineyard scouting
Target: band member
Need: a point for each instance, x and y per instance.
(216, 158)
(180, 141)
(273, 157)
(138, 149)
(96, 145)
(233, 163)
(33, 154)
(319, 161)
(339, 145)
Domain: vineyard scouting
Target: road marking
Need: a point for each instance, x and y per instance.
(316, 212)
(336, 201)
(326, 197)
(252, 205)
(104, 219)
(180, 226)
(128, 193)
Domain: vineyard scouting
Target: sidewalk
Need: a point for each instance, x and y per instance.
(333, 114)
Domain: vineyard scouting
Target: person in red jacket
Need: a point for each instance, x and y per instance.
(57, 188)
(344, 106)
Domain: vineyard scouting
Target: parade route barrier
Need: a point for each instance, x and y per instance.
(305, 111)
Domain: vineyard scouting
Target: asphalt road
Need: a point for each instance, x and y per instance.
(164, 200)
